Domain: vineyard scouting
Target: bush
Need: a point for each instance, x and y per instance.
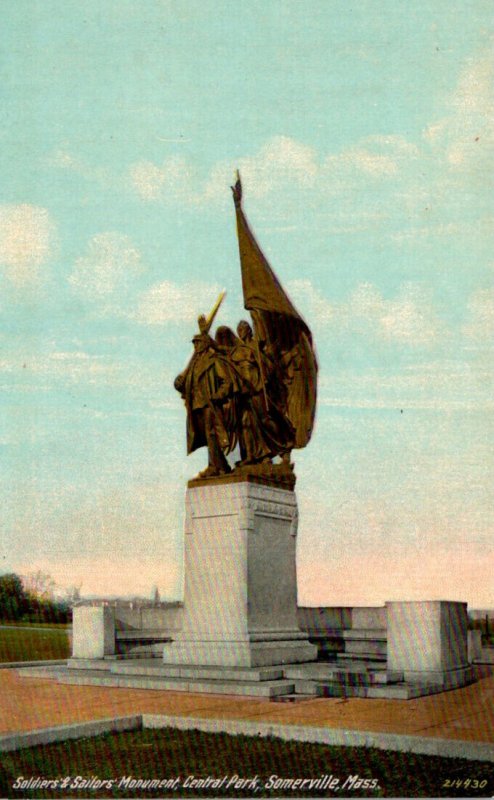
(17, 604)
(14, 601)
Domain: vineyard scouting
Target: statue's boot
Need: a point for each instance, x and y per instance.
(214, 472)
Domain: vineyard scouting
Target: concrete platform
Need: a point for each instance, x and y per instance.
(316, 679)
(458, 722)
(150, 675)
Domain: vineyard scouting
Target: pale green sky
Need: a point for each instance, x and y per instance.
(364, 133)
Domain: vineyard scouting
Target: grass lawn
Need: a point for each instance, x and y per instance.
(36, 624)
(22, 644)
(170, 754)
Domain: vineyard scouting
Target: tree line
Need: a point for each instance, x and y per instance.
(31, 599)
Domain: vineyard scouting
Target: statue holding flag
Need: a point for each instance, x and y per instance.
(257, 389)
(282, 334)
(263, 429)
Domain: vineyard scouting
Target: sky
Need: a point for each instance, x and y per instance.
(364, 134)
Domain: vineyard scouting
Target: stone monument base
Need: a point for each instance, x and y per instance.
(427, 642)
(292, 648)
(240, 601)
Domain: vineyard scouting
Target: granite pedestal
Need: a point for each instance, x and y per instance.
(427, 642)
(93, 632)
(240, 599)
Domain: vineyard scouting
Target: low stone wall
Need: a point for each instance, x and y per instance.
(324, 619)
(335, 619)
(103, 629)
(141, 618)
(423, 640)
(353, 633)
(369, 618)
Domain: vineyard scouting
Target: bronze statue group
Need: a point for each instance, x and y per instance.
(255, 389)
(238, 391)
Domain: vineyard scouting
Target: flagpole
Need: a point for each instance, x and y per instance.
(261, 372)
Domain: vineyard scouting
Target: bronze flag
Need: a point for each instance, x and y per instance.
(279, 328)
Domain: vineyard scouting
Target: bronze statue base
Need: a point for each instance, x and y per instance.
(267, 474)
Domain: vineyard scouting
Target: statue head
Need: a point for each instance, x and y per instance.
(225, 337)
(244, 330)
(201, 342)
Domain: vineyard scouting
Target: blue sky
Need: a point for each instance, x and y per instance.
(364, 134)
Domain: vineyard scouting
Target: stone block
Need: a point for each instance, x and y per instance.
(127, 618)
(427, 641)
(93, 630)
(474, 646)
(373, 617)
(166, 618)
(324, 619)
(240, 606)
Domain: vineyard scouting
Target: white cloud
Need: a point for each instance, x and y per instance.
(64, 159)
(408, 318)
(361, 161)
(174, 179)
(437, 385)
(279, 162)
(169, 302)
(147, 179)
(315, 305)
(282, 160)
(109, 269)
(112, 262)
(466, 134)
(70, 367)
(27, 239)
(480, 323)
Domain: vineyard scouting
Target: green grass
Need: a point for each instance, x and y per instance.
(20, 644)
(169, 753)
(35, 624)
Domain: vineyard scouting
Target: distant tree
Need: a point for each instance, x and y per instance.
(156, 596)
(39, 584)
(13, 597)
(42, 605)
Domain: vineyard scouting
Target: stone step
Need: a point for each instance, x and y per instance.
(316, 671)
(133, 634)
(193, 673)
(347, 684)
(362, 659)
(305, 688)
(386, 678)
(141, 653)
(40, 672)
(340, 690)
(146, 654)
(88, 663)
(372, 634)
(298, 697)
(242, 688)
(399, 691)
(365, 648)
